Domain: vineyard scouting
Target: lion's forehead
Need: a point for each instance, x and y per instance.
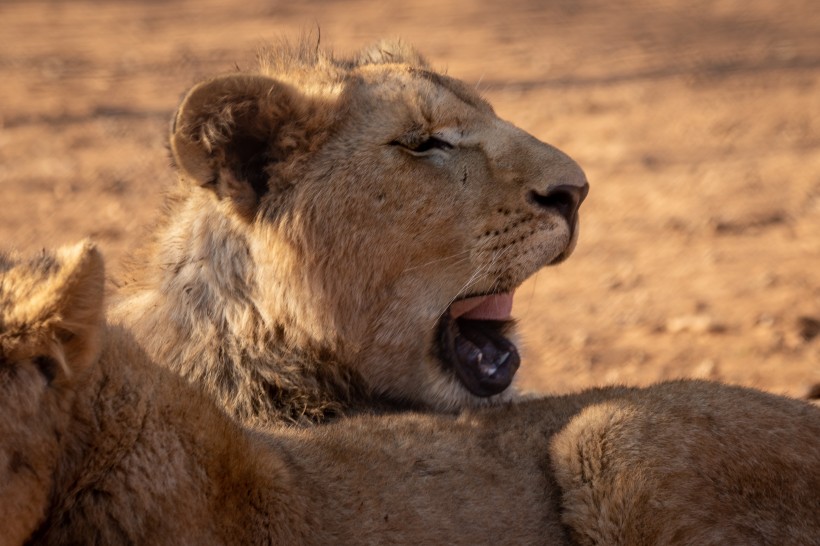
(434, 95)
(488, 132)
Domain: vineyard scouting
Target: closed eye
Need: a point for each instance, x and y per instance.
(422, 146)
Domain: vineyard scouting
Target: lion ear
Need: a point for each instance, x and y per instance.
(59, 296)
(231, 132)
(79, 294)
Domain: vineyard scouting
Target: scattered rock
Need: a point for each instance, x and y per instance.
(707, 369)
(579, 340)
(765, 320)
(768, 280)
(612, 376)
(808, 328)
(696, 324)
(723, 226)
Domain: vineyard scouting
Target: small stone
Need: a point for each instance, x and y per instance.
(765, 320)
(707, 369)
(808, 327)
(696, 324)
(579, 340)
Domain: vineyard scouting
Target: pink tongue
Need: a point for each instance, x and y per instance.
(494, 307)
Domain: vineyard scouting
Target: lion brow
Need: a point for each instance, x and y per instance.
(453, 86)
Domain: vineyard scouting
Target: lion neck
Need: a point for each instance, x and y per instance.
(191, 301)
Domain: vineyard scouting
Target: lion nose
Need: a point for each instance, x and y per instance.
(564, 199)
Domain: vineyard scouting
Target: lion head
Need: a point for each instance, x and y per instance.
(51, 309)
(371, 209)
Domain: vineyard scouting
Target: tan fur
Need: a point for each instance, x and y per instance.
(50, 317)
(691, 463)
(305, 258)
(121, 451)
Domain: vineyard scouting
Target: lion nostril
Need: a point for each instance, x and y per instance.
(564, 199)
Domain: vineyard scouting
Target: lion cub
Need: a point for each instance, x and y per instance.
(100, 445)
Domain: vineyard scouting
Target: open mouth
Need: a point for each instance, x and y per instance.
(472, 340)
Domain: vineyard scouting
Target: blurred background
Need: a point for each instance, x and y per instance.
(697, 122)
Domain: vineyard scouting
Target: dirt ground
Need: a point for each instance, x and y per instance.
(697, 122)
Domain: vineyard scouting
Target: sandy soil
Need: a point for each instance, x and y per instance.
(697, 122)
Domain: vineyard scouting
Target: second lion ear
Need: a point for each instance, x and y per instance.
(233, 133)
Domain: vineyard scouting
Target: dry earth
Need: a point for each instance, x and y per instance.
(697, 122)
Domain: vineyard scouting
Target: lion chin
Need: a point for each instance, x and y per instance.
(346, 234)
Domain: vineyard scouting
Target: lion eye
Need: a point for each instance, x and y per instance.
(432, 143)
(422, 146)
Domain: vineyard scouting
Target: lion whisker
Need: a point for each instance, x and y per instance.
(437, 260)
(476, 275)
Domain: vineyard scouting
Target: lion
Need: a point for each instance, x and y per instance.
(346, 236)
(100, 445)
